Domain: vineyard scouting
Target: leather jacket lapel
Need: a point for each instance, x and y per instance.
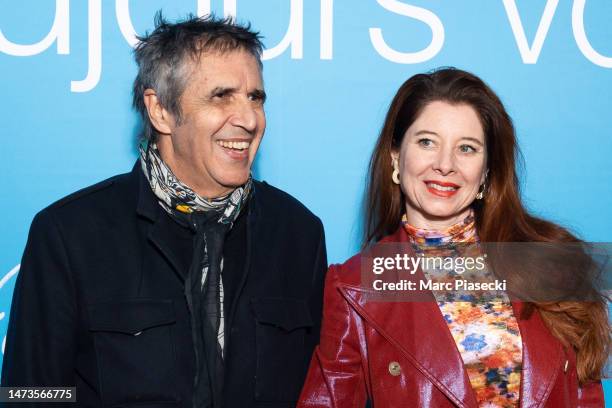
(418, 330)
(543, 359)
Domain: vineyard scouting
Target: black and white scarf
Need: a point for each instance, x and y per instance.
(211, 219)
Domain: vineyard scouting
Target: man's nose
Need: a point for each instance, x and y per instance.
(444, 162)
(245, 115)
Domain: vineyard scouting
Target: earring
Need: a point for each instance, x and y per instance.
(483, 187)
(481, 191)
(395, 176)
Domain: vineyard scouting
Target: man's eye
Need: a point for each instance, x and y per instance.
(257, 97)
(220, 95)
(425, 142)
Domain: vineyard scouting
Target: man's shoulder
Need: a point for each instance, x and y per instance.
(105, 196)
(278, 203)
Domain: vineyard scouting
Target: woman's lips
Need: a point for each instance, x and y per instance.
(441, 189)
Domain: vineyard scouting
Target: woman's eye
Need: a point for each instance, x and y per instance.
(467, 148)
(425, 142)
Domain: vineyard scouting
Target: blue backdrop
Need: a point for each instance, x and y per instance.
(331, 70)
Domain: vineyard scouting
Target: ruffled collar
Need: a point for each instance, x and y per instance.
(464, 232)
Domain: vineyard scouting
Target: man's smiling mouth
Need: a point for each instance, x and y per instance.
(234, 145)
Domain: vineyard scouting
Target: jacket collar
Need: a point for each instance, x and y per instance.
(427, 343)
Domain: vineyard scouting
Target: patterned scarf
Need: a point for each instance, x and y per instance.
(211, 219)
(175, 196)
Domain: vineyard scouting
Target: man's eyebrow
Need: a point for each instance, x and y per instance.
(222, 90)
(225, 90)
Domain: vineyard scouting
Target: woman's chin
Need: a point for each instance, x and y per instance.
(443, 213)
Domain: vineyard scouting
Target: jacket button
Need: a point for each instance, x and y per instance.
(394, 368)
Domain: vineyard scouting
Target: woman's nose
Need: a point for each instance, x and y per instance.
(444, 162)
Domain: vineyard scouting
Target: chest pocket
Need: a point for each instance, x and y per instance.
(134, 350)
(281, 327)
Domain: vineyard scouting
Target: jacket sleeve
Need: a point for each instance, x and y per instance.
(335, 378)
(40, 342)
(591, 395)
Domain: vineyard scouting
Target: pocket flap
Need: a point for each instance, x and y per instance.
(130, 316)
(287, 314)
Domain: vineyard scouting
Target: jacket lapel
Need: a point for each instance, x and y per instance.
(251, 232)
(422, 337)
(165, 237)
(543, 358)
(162, 232)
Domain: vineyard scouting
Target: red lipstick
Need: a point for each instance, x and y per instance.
(442, 193)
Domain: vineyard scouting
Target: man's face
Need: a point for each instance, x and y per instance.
(222, 123)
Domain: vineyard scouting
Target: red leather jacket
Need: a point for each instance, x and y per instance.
(401, 354)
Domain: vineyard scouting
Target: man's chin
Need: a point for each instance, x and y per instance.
(235, 182)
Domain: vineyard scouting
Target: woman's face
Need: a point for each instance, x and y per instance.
(442, 163)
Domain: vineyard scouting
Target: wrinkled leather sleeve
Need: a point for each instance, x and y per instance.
(591, 395)
(336, 374)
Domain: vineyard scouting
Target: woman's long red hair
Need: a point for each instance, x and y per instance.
(500, 216)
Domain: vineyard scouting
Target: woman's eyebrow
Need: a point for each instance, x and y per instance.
(472, 139)
(426, 132)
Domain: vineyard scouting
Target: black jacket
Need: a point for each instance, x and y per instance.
(99, 300)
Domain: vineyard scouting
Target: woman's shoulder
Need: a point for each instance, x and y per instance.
(348, 272)
(351, 271)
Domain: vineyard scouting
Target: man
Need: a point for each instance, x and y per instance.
(185, 282)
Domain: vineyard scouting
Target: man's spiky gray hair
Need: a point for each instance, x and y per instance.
(163, 55)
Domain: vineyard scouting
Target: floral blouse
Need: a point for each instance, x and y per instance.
(485, 330)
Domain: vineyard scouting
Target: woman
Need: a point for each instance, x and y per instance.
(443, 172)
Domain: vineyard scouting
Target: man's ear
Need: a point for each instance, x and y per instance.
(161, 119)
